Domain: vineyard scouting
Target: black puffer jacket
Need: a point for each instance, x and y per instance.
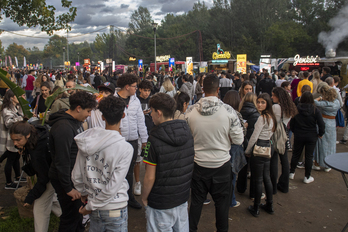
(249, 113)
(306, 121)
(172, 144)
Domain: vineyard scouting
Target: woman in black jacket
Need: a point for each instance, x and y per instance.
(33, 144)
(304, 127)
(249, 112)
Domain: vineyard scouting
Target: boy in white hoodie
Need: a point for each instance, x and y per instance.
(101, 167)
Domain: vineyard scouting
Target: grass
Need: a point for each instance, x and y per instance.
(16, 224)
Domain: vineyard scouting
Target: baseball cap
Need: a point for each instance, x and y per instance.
(109, 86)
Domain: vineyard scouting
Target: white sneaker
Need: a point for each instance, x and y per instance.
(327, 169)
(314, 167)
(137, 189)
(309, 180)
(291, 176)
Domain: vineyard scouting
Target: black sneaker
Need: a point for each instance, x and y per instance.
(343, 141)
(12, 186)
(23, 179)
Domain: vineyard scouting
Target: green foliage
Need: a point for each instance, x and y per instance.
(15, 50)
(18, 92)
(16, 224)
(278, 27)
(38, 13)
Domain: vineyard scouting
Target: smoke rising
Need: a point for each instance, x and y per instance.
(339, 25)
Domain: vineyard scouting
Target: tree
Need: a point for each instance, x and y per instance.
(32, 13)
(35, 56)
(140, 20)
(15, 50)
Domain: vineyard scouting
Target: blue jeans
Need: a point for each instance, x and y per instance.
(109, 220)
(234, 202)
(161, 220)
(29, 96)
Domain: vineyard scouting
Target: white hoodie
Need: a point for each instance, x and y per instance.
(101, 167)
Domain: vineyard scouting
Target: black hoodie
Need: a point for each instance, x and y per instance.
(170, 148)
(63, 147)
(41, 161)
(305, 123)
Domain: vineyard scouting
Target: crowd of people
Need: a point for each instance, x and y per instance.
(195, 136)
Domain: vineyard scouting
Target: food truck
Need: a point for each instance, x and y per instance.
(338, 65)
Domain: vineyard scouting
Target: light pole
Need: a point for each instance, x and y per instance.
(64, 58)
(78, 58)
(154, 25)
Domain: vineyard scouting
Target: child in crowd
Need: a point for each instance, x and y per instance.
(101, 167)
(169, 163)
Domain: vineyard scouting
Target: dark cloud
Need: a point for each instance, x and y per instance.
(124, 6)
(177, 6)
(160, 13)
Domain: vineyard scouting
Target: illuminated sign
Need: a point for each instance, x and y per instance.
(162, 58)
(220, 53)
(226, 55)
(241, 63)
(132, 58)
(140, 65)
(306, 61)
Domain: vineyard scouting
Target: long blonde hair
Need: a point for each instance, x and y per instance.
(249, 97)
(38, 81)
(167, 85)
(316, 75)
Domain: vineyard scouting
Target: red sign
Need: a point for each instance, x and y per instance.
(304, 68)
(310, 64)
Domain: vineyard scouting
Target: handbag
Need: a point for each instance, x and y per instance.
(280, 138)
(339, 119)
(261, 151)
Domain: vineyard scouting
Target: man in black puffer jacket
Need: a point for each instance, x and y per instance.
(169, 158)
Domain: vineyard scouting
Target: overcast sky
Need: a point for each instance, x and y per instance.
(93, 15)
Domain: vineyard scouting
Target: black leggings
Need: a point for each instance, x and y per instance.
(283, 182)
(260, 172)
(12, 161)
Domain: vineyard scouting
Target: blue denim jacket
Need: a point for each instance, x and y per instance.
(238, 160)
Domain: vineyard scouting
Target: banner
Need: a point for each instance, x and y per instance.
(189, 65)
(24, 62)
(241, 63)
(10, 60)
(140, 65)
(5, 61)
(171, 64)
(16, 61)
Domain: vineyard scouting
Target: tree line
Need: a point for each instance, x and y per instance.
(281, 28)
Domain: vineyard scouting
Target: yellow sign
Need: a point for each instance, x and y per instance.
(241, 63)
(226, 55)
(131, 58)
(189, 65)
(162, 58)
(67, 63)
